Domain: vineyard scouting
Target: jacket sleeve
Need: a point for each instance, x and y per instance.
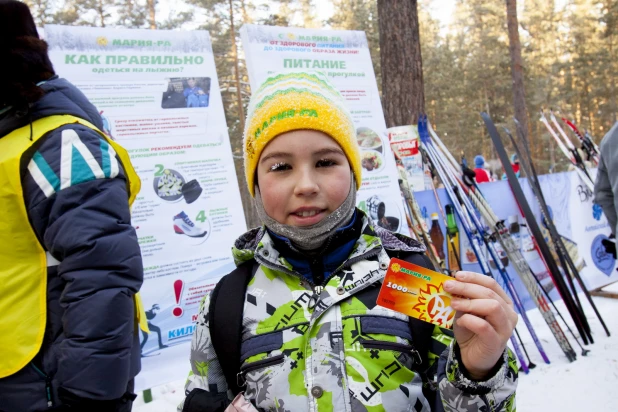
(604, 196)
(206, 387)
(457, 392)
(81, 216)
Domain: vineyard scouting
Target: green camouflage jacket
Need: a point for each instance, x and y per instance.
(307, 348)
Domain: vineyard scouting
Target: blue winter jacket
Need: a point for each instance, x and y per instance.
(91, 346)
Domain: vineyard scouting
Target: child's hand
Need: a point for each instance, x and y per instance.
(484, 321)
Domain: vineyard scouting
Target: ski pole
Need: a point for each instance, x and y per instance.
(531, 365)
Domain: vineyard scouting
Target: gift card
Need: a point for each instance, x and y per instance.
(417, 292)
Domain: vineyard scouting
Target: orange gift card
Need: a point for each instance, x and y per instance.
(417, 292)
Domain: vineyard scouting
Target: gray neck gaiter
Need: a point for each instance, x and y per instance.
(310, 238)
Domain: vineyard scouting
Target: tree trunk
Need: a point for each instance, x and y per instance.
(517, 69)
(151, 4)
(251, 216)
(247, 201)
(101, 12)
(241, 110)
(403, 95)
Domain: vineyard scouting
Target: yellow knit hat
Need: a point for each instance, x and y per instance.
(294, 101)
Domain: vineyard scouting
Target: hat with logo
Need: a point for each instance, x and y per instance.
(297, 100)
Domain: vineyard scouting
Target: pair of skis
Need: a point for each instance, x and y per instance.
(476, 232)
(570, 297)
(500, 233)
(570, 151)
(588, 145)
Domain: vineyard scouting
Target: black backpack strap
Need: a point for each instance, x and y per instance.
(421, 340)
(225, 316)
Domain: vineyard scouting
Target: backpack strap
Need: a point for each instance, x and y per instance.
(421, 340)
(225, 317)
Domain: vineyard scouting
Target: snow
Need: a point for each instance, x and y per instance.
(586, 384)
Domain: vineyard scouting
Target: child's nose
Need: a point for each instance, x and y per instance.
(307, 184)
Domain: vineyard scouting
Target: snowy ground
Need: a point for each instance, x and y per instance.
(588, 384)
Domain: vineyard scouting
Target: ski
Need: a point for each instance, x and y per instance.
(561, 250)
(501, 235)
(575, 312)
(530, 172)
(588, 146)
(474, 229)
(573, 309)
(570, 152)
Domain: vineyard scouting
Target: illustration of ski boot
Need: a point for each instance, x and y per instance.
(184, 226)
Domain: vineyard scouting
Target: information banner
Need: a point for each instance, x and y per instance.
(344, 57)
(159, 97)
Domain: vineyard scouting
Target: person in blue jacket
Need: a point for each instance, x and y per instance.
(195, 95)
(74, 192)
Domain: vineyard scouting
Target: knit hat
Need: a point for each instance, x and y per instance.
(15, 21)
(23, 55)
(479, 161)
(297, 101)
(514, 158)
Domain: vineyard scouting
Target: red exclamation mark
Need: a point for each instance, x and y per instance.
(178, 287)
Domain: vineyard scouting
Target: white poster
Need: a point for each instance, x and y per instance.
(159, 97)
(344, 57)
(588, 228)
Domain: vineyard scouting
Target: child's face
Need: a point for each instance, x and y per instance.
(303, 177)
(191, 82)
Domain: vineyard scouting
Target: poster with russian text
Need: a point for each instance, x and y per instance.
(159, 97)
(344, 57)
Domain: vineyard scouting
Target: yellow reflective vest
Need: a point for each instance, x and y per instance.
(24, 261)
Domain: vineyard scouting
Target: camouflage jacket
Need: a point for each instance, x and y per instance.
(308, 348)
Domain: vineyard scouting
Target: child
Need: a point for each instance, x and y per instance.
(482, 174)
(312, 335)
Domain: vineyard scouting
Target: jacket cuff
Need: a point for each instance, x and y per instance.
(460, 378)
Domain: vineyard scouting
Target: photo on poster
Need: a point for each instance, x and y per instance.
(372, 161)
(386, 214)
(368, 139)
(185, 92)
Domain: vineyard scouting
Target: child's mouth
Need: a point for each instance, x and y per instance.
(307, 213)
(307, 216)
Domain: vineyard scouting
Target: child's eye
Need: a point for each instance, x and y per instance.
(325, 163)
(279, 167)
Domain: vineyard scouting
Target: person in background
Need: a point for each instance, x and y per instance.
(606, 185)
(312, 336)
(514, 166)
(71, 264)
(150, 315)
(482, 175)
(195, 95)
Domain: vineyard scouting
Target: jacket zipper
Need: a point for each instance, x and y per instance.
(399, 347)
(244, 370)
(48, 385)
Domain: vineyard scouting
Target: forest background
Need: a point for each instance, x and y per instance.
(569, 50)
